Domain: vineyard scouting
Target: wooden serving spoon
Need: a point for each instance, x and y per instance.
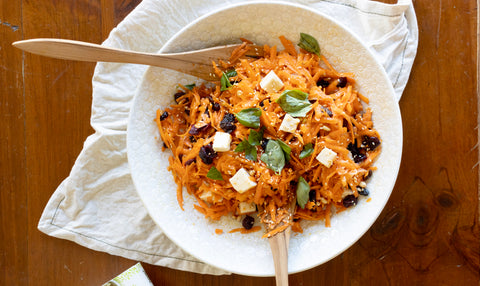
(279, 247)
(197, 63)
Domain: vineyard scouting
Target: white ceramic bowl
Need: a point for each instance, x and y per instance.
(249, 254)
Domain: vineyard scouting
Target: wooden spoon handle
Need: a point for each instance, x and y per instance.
(279, 246)
(197, 63)
(82, 51)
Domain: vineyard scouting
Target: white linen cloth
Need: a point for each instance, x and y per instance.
(97, 206)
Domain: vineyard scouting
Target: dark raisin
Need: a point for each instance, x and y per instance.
(328, 111)
(349, 201)
(215, 106)
(190, 161)
(358, 158)
(358, 154)
(312, 101)
(342, 82)
(163, 116)
(368, 175)
(248, 222)
(362, 191)
(207, 154)
(264, 143)
(312, 196)
(178, 95)
(323, 83)
(228, 123)
(370, 142)
(192, 139)
(261, 104)
(195, 130)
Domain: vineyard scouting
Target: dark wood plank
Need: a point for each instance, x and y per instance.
(113, 12)
(437, 189)
(13, 188)
(108, 17)
(123, 8)
(57, 104)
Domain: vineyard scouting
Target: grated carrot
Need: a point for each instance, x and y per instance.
(337, 120)
(243, 230)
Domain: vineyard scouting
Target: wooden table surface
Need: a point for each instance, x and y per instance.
(427, 235)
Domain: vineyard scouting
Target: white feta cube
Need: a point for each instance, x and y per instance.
(209, 197)
(289, 124)
(326, 157)
(206, 196)
(246, 208)
(242, 181)
(221, 142)
(271, 82)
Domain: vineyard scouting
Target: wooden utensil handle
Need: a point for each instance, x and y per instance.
(278, 244)
(77, 50)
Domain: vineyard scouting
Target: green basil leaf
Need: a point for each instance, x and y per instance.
(244, 145)
(250, 117)
(214, 174)
(231, 73)
(307, 151)
(286, 149)
(250, 151)
(303, 190)
(224, 82)
(255, 137)
(190, 86)
(274, 157)
(225, 79)
(295, 102)
(309, 44)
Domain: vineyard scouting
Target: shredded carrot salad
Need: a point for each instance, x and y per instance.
(251, 144)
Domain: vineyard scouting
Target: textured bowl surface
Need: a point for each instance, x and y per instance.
(249, 254)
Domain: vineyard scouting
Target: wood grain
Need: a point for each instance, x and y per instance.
(427, 235)
(13, 188)
(57, 101)
(279, 247)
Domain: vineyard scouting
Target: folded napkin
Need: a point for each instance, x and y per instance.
(97, 206)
